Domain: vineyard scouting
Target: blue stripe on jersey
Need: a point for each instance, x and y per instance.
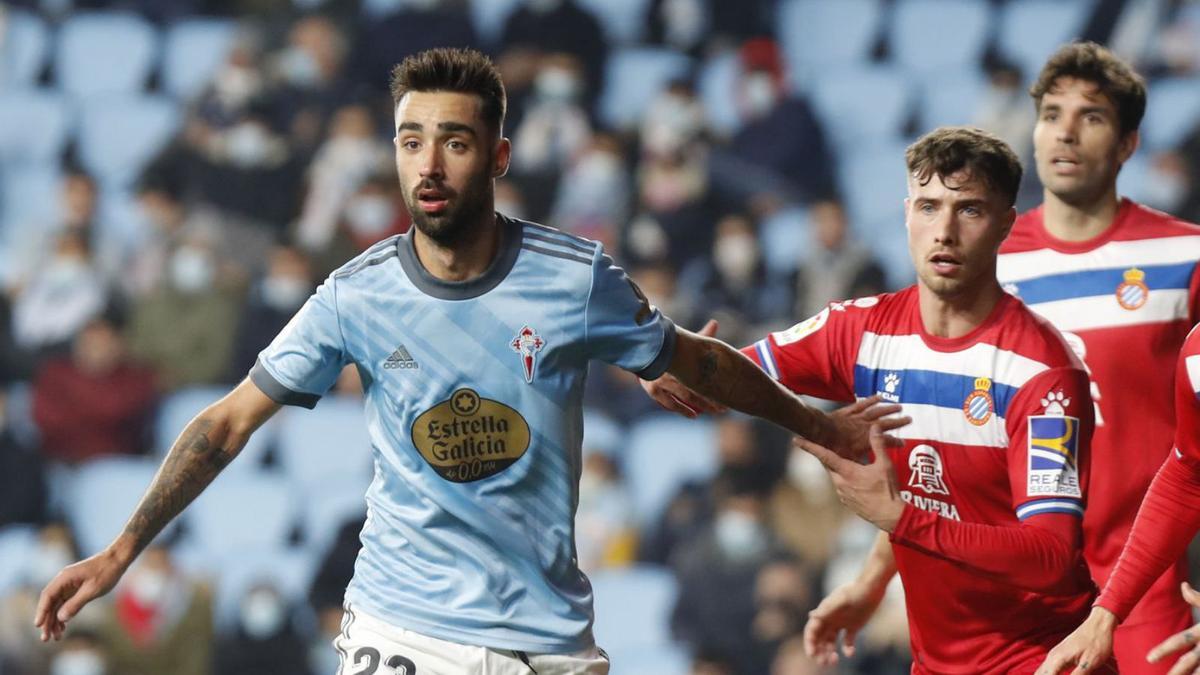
(764, 355)
(929, 387)
(1057, 505)
(1101, 282)
(531, 233)
(588, 245)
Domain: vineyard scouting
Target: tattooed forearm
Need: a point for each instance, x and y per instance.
(202, 450)
(724, 375)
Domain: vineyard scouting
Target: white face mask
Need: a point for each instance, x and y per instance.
(740, 536)
(247, 145)
(284, 294)
(236, 85)
(262, 615)
(370, 215)
(191, 270)
(557, 84)
(299, 68)
(806, 473)
(759, 94)
(1165, 190)
(148, 587)
(65, 271)
(77, 662)
(736, 257)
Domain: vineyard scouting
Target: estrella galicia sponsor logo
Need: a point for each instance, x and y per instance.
(468, 438)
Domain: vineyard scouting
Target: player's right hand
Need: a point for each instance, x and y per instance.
(845, 611)
(72, 588)
(1088, 648)
(675, 396)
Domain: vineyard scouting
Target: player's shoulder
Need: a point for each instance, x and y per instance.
(1149, 223)
(379, 252)
(883, 313)
(562, 248)
(1027, 233)
(1033, 337)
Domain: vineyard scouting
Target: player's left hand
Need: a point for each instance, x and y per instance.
(1088, 648)
(851, 425)
(869, 490)
(1189, 662)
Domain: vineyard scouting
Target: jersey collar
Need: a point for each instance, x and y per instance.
(502, 264)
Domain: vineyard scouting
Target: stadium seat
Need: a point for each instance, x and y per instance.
(1133, 181)
(103, 494)
(119, 135)
(665, 452)
(929, 37)
(873, 182)
(784, 238)
(34, 126)
(17, 544)
(820, 34)
(649, 588)
(290, 571)
(105, 52)
(193, 51)
(633, 77)
(1172, 112)
(1030, 30)
(179, 408)
(953, 100)
(489, 17)
(326, 445)
(25, 47)
(379, 9)
(670, 659)
(861, 107)
(29, 196)
(602, 434)
(624, 21)
(717, 88)
(242, 512)
(325, 511)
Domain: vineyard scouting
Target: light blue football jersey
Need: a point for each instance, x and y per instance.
(473, 397)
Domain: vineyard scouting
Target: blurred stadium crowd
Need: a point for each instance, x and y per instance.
(177, 175)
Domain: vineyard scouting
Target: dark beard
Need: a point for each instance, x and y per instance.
(463, 215)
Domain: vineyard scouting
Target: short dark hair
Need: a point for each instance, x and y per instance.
(947, 150)
(1093, 63)
(465, 71)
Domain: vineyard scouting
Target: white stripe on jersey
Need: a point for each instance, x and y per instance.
(1102, 311)
(1017, 267)
(1041, 506)
(949, 425)
(895, 352)
(768, 361)
(1193, 370)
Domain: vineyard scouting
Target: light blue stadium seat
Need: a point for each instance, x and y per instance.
(665, 451)
(325, 511)
(1172, 112)
(717, 88)
(25, 48)
(1030, 30)
(1133, 181)
(119, 135)
(633, 608)
(29, 195)
(193, 51)
(17, 545)
(888, 239)
(624, 21)
(243, 512)
(180, 407)
(861, 107)
(290, 571)
(103, 494)
(820, 34)
(378, 9)
(34, 126)
(952, 100)
(105, 52)
(634, 76)
(602, 434)
(489, 17)
(873, 180)
(665, 660)
(929, 37)
(328, 444)
(785, 237)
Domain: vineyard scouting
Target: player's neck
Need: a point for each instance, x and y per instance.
(954, 316)
(464, 259)
(1079, 222)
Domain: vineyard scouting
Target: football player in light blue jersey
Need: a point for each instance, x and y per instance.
(472, 335)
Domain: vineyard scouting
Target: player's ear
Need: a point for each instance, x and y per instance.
(1127, 145)
(501, 157)
(1010, 217)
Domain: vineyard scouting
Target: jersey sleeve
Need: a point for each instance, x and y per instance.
(622, 327)
(305, 359)
(816, 356)
(1050, 423)
(1194, 296)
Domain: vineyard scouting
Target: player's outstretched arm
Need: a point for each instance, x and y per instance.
(722, 374)
(206, 446)
(1088, 648)
(848, 608)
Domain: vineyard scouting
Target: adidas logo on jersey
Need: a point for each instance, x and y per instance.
(401, 359)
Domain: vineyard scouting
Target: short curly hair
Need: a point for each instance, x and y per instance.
(1094, 63)
(464, 71)
(946, 151)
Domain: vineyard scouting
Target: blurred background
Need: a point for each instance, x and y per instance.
(177, 175)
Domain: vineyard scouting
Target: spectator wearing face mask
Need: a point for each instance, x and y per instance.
(61, 296)
(182, 328)
(160, 621)
(307, 80)
(836, 264)
(560, 26)
(265, 641)
(783, 594)
(372, 213)
(31, 243)
(272, 301)
(97, 401)
(81, 653)
(21, 651)
(555, 125)
(593, 198)
(718, 571)
(411, 27)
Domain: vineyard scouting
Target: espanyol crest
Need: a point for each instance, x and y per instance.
(1132, 293)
